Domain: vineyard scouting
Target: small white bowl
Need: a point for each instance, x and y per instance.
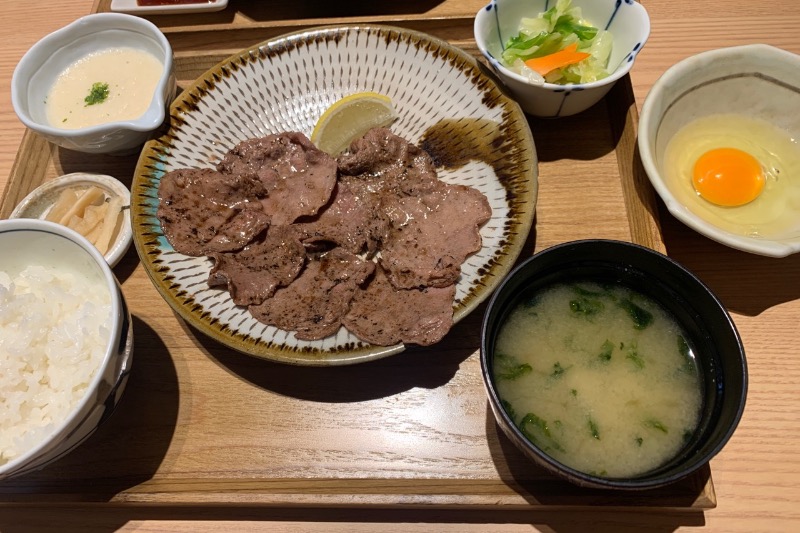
(627, 21)
(39, 242)
(47, 59)
(38, 202)
(757, 81)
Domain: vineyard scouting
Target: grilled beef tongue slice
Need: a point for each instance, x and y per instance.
(386, 160)
(314, 304)
(431, 233)
(298, 177)
(385, 315)
(202, 210)
(253, 274)
(426, 228)
(346, 221)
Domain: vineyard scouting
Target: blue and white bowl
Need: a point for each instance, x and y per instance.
(497, 22)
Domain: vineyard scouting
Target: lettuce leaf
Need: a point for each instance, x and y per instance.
(552, 31)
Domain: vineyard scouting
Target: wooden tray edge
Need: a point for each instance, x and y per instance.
(640, 198)
(376, 493)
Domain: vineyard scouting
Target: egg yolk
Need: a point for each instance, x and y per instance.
(728, 177)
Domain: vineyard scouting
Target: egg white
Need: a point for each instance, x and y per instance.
(776, 211)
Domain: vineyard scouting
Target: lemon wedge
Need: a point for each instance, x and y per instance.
(350, 118)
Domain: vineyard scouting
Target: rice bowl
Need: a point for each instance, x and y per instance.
(65, 343)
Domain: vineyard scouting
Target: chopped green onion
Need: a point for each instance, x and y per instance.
(595, 432)
(97, 94)
(558, 370)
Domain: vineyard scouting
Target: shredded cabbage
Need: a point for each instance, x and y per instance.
(552, 31)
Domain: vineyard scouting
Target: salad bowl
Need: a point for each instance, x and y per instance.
(627, 24)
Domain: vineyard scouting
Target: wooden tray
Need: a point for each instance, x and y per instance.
(201, 425)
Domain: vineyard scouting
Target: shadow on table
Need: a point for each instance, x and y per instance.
(120, 455)
(107, 520)
(581, 137)
(265, 11)
(746, 283)
(427, 368)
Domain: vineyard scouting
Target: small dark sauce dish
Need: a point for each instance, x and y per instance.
(718, 348)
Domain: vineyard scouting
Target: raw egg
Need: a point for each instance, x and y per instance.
(738, 173)
(728, 176)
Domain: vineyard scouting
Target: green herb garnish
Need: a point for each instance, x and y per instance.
(641, 317)
(639, 441)
(508, 368)
(537, 431)
(595, 432)
(97, 94)
(585, 306)
(655, 424)
(531, 423)
(558, 370)
(634, 357)
(581, 291)
(509, 409)
(605, 351)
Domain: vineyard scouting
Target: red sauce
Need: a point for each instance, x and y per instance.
(170, 2)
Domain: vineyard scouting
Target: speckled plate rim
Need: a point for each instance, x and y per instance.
(521, 192)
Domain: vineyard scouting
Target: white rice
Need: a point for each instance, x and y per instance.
(54, 327)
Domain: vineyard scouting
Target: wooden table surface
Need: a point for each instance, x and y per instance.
(757, 475)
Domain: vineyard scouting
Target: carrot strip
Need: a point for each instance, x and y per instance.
(546, 64)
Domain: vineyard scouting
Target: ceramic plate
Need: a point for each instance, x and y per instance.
(38, 202)
(443, 99)
(130, 6)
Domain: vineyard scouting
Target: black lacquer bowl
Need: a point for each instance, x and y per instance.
(719, 352)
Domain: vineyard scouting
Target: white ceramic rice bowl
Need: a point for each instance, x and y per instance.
(47, 243)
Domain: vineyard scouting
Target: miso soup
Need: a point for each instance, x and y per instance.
(599, 377)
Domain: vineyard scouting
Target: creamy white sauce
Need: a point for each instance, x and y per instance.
(132, 76)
